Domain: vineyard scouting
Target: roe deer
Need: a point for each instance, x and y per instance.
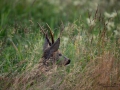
(51, 53)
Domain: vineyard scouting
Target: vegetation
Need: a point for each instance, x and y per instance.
(91, 39)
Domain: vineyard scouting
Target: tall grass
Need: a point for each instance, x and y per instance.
(90, 40)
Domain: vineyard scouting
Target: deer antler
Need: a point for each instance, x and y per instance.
(45, 34)
(52, 37)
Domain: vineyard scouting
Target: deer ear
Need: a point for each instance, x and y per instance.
(45, 45)
(55, 46)
(52, 49)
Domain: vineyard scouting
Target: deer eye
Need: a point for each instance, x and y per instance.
(60, 54)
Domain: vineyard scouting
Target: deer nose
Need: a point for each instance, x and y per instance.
(68, 62)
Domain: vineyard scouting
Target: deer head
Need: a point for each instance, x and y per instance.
(51, 51)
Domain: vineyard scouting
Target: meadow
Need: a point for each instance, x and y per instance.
(91, 39)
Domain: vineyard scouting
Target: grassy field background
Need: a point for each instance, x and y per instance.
(91, 39)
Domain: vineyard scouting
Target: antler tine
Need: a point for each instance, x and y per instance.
(61, 28)
(52, 37)
(41, 29)
(45, 34)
